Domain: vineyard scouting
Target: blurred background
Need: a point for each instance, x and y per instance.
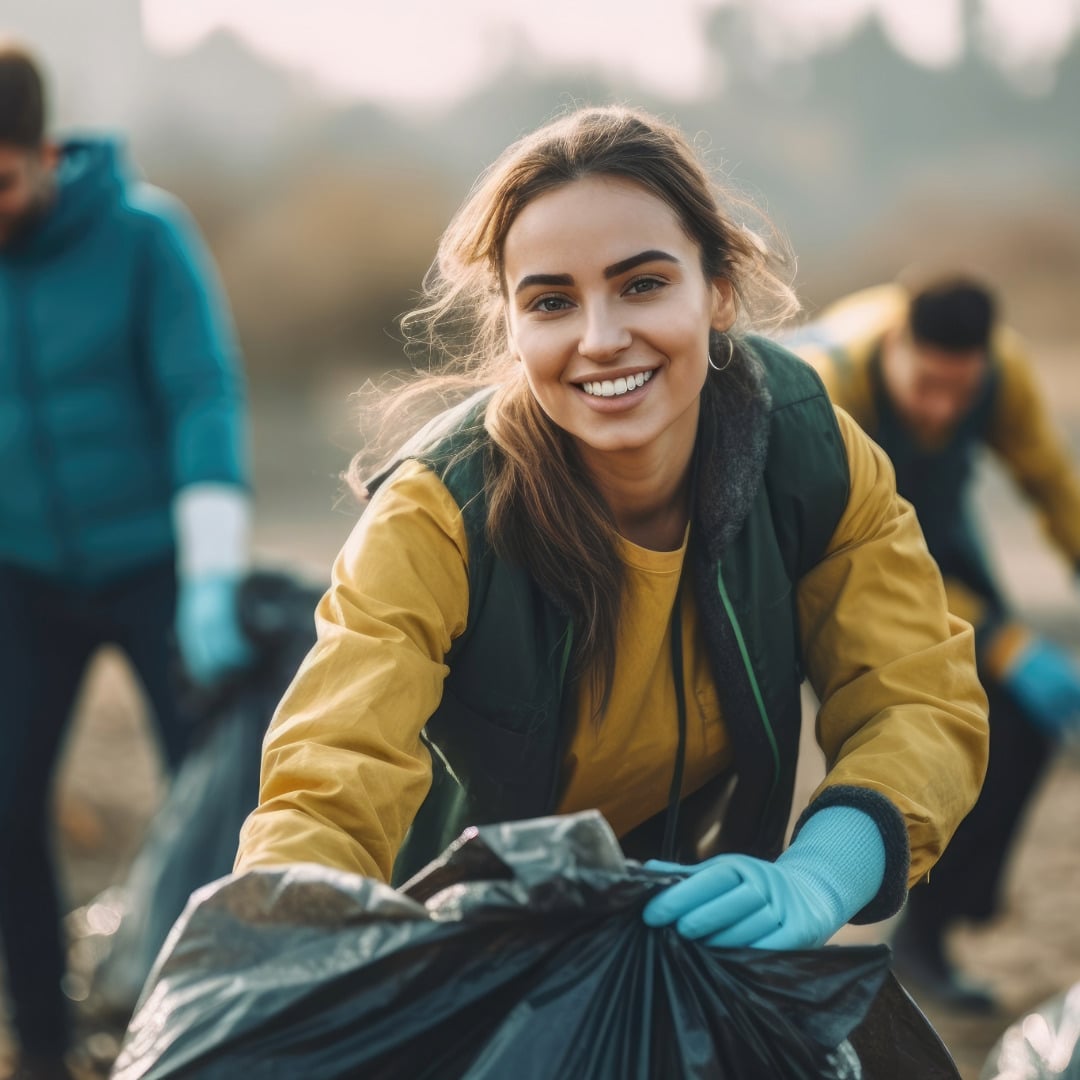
(323, 145)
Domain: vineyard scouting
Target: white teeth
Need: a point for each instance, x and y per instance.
(616, 387)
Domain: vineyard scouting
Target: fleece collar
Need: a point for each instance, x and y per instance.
(733, 444)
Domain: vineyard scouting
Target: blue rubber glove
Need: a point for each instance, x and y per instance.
(1046, 682)
(208, 630)
(212, 524)
(834, 868)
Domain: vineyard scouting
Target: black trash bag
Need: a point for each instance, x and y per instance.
(192, 839)
(1044, 1045)
(519, 953)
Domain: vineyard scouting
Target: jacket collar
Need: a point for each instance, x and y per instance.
(733, 445)
(89, 177)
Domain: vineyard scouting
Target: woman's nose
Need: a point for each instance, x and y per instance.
(605, 334)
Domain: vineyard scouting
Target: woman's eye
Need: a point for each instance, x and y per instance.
(644, 285)
(548, 304)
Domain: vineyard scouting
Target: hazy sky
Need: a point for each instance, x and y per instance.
(426, 51)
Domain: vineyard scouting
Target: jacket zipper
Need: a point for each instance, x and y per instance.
(758, 698)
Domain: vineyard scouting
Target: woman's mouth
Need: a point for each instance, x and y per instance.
(616, 387)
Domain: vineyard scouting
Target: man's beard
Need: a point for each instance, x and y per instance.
(15, 229)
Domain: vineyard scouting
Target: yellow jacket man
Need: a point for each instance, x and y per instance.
(932, 375)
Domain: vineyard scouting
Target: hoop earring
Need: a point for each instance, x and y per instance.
(730, 356)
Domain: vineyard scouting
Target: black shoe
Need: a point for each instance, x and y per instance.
(921, 965)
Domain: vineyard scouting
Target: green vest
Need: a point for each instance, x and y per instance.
(772, 484)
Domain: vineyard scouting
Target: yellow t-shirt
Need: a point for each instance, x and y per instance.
(623, 762)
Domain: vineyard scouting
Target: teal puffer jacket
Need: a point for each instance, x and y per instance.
(119, 377)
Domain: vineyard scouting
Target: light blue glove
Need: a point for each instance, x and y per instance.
(208, 630)
(212, 523)
(1046, 682)
(834, 868)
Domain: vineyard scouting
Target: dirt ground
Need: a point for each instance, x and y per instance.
(109, 784)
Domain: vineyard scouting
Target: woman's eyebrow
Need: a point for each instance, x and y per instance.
(612, 271)
(543, 279)
(653, 255)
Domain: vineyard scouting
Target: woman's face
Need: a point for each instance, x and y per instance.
(609, 312)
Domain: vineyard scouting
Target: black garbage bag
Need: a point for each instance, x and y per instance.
(519, 953)
(1044, 1045)
(192, 838)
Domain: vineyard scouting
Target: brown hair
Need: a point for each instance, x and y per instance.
(22, 98)
(543, 510)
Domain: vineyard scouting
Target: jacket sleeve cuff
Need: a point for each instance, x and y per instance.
(894, 835)
(213, 530)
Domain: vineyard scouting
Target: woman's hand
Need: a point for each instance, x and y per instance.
(832, 870)
(736, 900)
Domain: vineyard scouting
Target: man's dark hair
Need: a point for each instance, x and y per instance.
(956, 315)
(22, 98)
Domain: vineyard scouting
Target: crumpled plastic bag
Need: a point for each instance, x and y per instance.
(1044, 1045)
(518, 953)
(191, 840)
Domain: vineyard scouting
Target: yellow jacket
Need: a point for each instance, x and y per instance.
(345, 771)
(841, 344)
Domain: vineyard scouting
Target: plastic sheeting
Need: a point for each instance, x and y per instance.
(192, 838)
(519, 953)
(1044, 1045)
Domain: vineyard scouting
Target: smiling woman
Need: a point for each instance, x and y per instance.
(609, 316)
(599, 580)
